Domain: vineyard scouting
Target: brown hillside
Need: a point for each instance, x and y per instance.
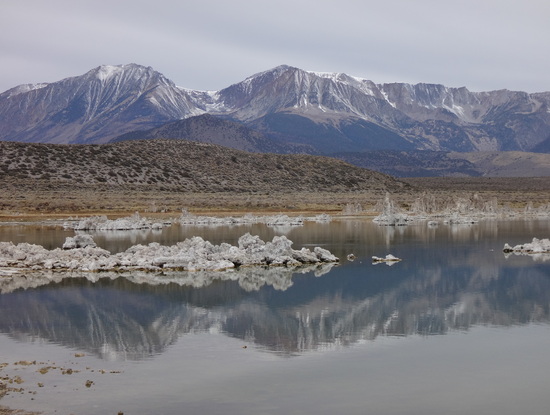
(138, 174)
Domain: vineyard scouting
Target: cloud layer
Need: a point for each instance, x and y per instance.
(210, 44)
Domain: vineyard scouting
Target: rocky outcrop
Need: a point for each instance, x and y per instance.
(391, 215)
(452, 211)
(273, 221)
(537, 246)
(101, 223)
(389, 259)
(79, 241)
(194, 254)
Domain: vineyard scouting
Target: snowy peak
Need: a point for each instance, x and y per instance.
(286, 88)
(95, 107)
(106, 71)
(135, 79)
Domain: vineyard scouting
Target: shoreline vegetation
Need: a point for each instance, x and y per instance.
(31, 200)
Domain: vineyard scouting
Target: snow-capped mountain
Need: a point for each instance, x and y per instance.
(92, 108)
(310, 111)
(290, 102)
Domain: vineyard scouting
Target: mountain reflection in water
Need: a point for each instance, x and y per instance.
(445, 282)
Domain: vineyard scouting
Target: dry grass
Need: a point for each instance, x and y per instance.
(24, 200)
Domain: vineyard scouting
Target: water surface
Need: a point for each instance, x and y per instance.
(455, 327)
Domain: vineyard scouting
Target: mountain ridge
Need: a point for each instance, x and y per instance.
(289, 106)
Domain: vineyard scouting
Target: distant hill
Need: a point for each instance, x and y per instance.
(452, 164)
(184, 166)
(507, 163)
(213, 130)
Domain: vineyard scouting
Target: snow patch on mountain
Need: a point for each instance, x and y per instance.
(21, 89)
(387, 98)
(106, 71)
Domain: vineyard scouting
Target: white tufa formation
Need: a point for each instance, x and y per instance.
(194, 254)
(538, 246)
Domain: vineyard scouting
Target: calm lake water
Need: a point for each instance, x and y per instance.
(454, 328)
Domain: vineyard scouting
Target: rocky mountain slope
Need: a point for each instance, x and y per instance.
(207, 128)
(91, 108)
(294, 109)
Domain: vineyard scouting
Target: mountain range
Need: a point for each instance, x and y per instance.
(282, 110)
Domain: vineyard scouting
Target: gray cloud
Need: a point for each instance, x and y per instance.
(210, 44)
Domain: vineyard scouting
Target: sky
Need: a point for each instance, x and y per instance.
(211, 44)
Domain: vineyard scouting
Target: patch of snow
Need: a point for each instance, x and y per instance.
(387, 98)
(455, 109)
(337, 76)
(21, 89)
(106, 71)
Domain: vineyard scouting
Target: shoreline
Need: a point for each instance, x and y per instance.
(28, 203)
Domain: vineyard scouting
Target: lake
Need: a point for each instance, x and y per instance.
(455, 327)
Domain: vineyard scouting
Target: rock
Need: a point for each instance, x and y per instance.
(391, 215)
(388, 258)
(80, 253)
(324, 255)
(273, 221)
(537, 246)
(507, 248)
(79, 241)
(101, 223)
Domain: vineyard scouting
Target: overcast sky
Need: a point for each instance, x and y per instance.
(211, 44)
